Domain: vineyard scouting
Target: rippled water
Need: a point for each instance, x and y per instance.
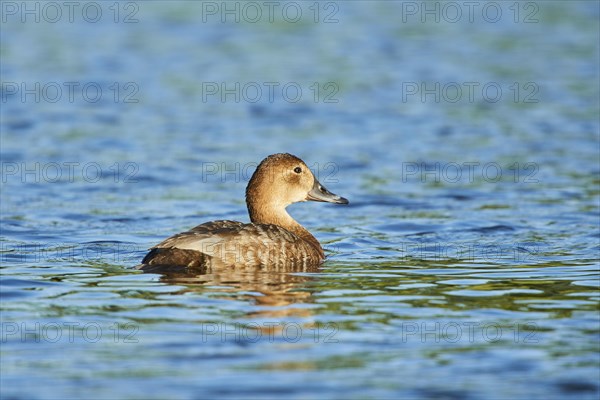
(466, 265)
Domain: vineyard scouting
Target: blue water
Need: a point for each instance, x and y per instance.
(466, 265)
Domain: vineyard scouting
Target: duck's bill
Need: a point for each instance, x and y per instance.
(320, 193)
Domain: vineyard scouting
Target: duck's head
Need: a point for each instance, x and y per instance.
(283, 179)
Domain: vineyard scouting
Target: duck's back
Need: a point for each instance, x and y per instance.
(230, 243)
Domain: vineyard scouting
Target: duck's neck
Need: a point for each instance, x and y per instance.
(260, 215)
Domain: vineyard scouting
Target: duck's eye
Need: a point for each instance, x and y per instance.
(297, 170)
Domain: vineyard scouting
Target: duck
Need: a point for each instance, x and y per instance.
(273, 239)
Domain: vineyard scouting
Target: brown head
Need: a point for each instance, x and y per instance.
(281, 180)
(284, 179)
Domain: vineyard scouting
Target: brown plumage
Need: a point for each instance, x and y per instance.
(274, 240)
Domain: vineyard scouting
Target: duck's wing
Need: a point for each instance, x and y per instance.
(213, 225)
(167, 254)
(199, 232)
(235, 243)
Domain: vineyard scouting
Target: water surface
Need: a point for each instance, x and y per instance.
(466, 265)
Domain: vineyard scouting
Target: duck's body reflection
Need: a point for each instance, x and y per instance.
(277, 289)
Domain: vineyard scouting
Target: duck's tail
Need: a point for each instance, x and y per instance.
(163, 259)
